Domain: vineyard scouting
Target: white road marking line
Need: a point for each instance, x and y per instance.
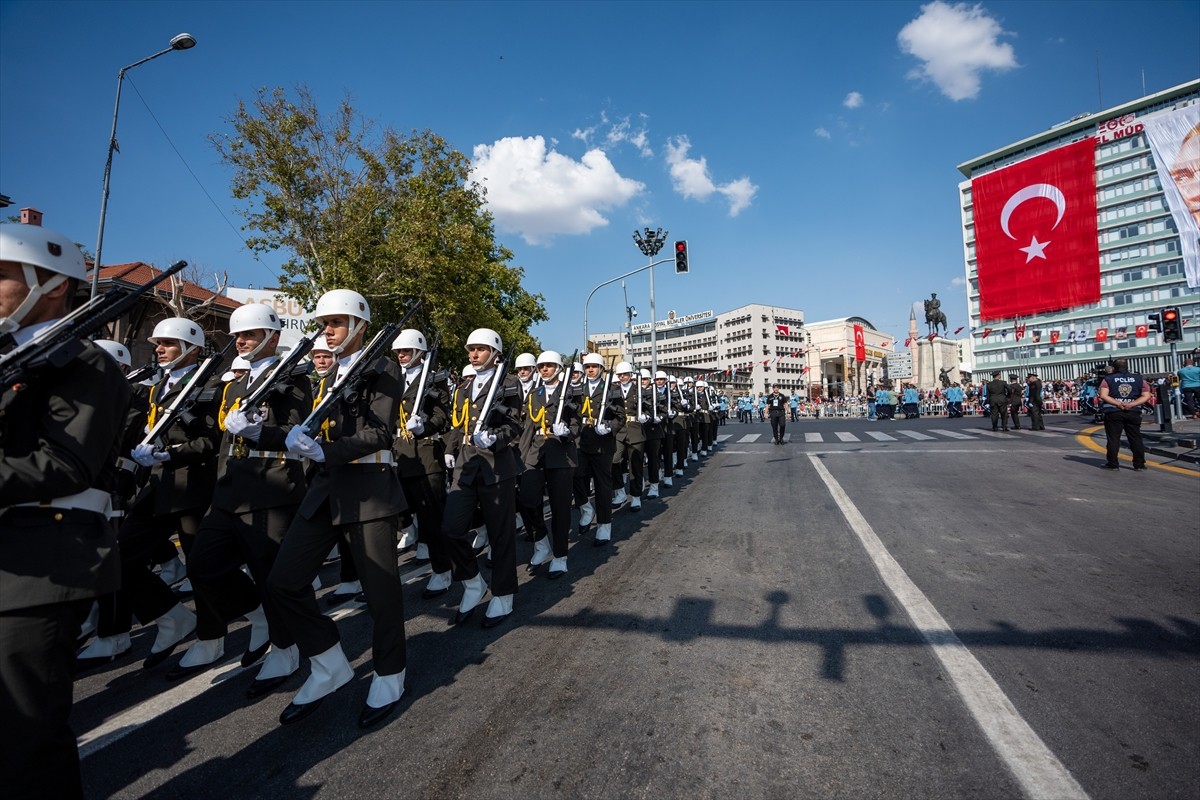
(1032, 763)
(846, 436)
(997, 434)
(1041, 433)
(724, 436)
(750, 437)
(920, 437)
(880, 437)
(950, 434)
(813, 437)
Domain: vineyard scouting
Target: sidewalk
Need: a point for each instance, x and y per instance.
(1182, 444)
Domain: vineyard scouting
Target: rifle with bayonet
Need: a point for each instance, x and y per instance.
(181, 408)
(62, 342)
(497, 380)
(565, 380)
(283, 371)
(424, 382)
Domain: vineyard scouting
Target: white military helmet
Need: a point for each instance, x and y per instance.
(688, 379)
(321, 346)
(577, 367)
(550, 357)
(410, 339)
(115, 349)
(486, 337)
(525, 360)
(644, 374)
(593, 358)
(624, 367)
(660, 374)
(343, 301)
(34, 246)
(185, 330)
(253, 317)
(468, 371)
(701, 385)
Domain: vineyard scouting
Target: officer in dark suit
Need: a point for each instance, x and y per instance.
(547, 448)
(258, 487)
(597, 444)
(420, 454)
(59, 432)
(997, 397)
(354, 491)
(1016, 393)
(1034, 387)
(777, 407)
(482, 454)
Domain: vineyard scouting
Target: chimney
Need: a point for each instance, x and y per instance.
(31, 216)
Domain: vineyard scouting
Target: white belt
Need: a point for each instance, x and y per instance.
(280, 454)
(378, 457)
(95, 500)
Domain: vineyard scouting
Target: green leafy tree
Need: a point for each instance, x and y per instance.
(392, 216)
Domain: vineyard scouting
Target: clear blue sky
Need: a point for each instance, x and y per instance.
(807, 151)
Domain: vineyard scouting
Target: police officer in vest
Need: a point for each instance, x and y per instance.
(59, 433)
(354, 491)
(597, 444)
(1122, 393)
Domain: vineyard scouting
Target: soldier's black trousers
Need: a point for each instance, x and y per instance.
(595, 468)
(497, 501)
(426, 497)
(534, 484)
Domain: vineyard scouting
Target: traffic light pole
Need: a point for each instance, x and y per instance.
(607, 283)
(650, 242)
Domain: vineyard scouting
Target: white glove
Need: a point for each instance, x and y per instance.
(415, 425)
(603, 429)
(484, 439)
(300, 443)
(642, 418)
(147, 456)
(672, 415)
(686, 405)
(561, 429)
(449, 459)
(237, 423)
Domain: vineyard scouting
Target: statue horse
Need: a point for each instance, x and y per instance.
(935, 317)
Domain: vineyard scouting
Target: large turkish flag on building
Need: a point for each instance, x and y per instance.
(860, 344)
(1035, 234)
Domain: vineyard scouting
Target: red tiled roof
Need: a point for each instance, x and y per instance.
(138, 273)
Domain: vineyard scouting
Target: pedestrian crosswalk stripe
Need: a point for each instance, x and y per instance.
(915, 435)
(846, 436)
(723, 437)
(1028, 432)
(812, 437)
(881, 437)
(997, 434)
(950, 434)
(750, 437)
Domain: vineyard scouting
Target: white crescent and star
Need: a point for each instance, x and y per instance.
(1034, 191)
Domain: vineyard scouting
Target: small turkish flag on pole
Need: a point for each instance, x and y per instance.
(1142, 331)
(1101, 334)
(1054, 337)
(783, 329)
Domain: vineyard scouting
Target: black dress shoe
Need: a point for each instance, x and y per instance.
(491, 622)
(420, 562)
(462, 616)
(600, 542)
(373, 716)
(1112, 466)
(429, 594)
(555, 575)
(265, 686)
(154, 659)
(252, 657)
(298, 711)
(178, 672)
(93, 662)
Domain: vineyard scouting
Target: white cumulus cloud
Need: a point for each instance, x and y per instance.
(692, 179)
(853, 100)
(540, 193)
(615, 133)
(824, 134)
(955, 44)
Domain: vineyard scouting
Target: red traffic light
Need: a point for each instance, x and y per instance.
(1170, 315)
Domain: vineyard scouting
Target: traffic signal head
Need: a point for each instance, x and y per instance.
(1172, 325)
(1155, 322)
(681, 258)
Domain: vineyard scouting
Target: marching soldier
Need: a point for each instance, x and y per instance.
(706, 404)
(259, 485)
(666, 425)
(656, 405)
(484, 461)
(354, 491)
(527, 374)
(548, 450)
(695, 416)
(59, 434)
(681, 425)
(597, 444)
(421, 454)
(631, 440)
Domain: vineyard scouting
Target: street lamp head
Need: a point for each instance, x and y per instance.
(184, 41)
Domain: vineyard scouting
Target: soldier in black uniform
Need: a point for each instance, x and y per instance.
(259, 485)
(59, 432)
(354, 491)
(420, 454)
(666, 401)
(655, 403)
(547, 448)
(1034, 386)
(1121, 394)
(629, 455)
(777, 407)
(680, 425)
(997, 398)
(480, 449)
(597, 444)
(1016, 393)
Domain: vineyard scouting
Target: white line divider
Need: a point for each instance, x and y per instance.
(1041, 775)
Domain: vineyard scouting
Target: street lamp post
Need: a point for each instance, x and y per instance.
(184, 41)
(650, 242)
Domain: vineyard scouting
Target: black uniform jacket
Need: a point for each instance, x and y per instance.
(58, 437)
(500, 461)
(185, 482)
(539, 447)
(252, 483)
(633, 432)
(589, 410)
(997, 392)
(360, 427)
(424, 454)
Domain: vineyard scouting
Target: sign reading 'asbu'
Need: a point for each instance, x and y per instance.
(1035, 234)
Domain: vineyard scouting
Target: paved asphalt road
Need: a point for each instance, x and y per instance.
(904, 609)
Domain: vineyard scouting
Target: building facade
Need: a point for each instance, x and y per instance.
(1141, 256)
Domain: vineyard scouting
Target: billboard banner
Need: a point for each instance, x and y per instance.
(291, 313)
(1174, 138)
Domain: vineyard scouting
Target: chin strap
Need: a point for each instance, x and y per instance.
(267, 338)
(184, 349)
(12, 324)
(355, 329)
